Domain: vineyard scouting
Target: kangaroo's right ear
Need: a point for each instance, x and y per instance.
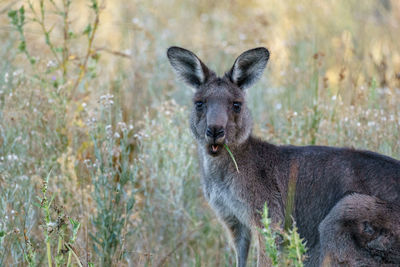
(248, 67)
(188, 66)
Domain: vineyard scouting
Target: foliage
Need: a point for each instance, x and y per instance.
(293, 248)
(89, 107)
(270, 236)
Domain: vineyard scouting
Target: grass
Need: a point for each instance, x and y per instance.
(232, 157)
(90, 108)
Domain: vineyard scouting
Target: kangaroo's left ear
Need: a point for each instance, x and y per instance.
(248, 67)
(188, 66)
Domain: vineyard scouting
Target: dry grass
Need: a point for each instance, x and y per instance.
(113, 138)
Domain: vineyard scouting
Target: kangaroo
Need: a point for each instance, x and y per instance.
(322, 176)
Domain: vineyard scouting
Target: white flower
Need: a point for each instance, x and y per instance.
(122, 125)
(278, 106)
(109, 129)
(51, 64)
(116, 135)
(91, 121)
(12, 157)
(107, 99)
(135, 21)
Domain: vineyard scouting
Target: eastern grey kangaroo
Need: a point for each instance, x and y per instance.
(331, 183)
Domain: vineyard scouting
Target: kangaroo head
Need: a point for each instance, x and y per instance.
(220, 114)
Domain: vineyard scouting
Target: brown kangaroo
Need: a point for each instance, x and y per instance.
(326, 178)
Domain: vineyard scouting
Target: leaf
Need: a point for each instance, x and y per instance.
(87, 30)
(22, 15)
(130, 204)
(22, 46)
(233, 158)
(270, 236)
(12, 14)
(95, 6)
(75, 227)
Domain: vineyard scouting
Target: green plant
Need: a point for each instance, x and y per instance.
(55, 229)
(77, 70)
(293, 247)
(44, 120)
(111, 173)
(296, 248)
(48, 224)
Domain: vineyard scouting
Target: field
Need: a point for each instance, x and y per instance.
(97, 161)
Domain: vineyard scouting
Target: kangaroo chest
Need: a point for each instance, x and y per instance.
(221, 191)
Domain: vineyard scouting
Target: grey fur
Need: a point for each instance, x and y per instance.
(374, 223)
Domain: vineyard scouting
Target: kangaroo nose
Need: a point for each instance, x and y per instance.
(215, 132)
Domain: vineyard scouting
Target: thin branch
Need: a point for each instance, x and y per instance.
(73, 253)
(113, 52)
(41, 22)
(88, 53)
(65, 52)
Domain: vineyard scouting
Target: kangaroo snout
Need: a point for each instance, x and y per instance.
(215, 133)
(215, 137)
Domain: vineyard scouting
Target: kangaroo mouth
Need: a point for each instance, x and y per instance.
(214, 149)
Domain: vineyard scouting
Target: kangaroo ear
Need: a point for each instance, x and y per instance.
(248, 67)
(188, 66)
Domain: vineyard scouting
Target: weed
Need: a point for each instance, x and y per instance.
(293, 249)
(70, 69)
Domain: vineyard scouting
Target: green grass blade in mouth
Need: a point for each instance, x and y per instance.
(233, 158)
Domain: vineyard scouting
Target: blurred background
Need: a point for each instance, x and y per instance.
(97, 162)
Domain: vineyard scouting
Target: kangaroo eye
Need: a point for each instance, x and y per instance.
(199, 105)
(237, 106)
